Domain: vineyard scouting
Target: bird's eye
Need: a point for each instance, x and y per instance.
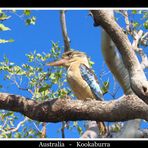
(70, 55)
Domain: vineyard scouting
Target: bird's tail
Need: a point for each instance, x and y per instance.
(102, 128)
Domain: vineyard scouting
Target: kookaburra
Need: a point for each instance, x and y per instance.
(81, 78)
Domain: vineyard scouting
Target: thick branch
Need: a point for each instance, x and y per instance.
(92, 130)
(115, 63)
(56, 110)
(138, 79)
(143, 133)
(102, 18)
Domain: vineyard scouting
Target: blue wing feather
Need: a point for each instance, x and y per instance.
(89, 76)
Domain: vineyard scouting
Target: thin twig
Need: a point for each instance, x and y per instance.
(43, 135)
(16, 128)
(137, 38)
(36, 127)
(144, 39)
(24, 89)
(5, 123)
(63, 129)
(127, 22)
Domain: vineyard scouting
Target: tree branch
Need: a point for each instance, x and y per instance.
(64, 31)
(144, 39)
(57, 110)
(115, 63)
(92, 130)
(138, 79)
(116, 66)
(16, 128)
(137, 38)
(143, 133)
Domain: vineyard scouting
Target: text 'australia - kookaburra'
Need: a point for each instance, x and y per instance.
(81, 78)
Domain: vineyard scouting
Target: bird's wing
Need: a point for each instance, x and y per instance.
(89, 76)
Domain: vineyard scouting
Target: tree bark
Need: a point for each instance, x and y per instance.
(64, 31)
(56, 110)
(137, 77)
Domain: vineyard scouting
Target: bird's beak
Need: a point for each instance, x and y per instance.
(60, 62)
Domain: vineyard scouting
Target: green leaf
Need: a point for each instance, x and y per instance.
(6, 59)
(79, 130)
(27, 12)
(105, 87)
(17, 135)
(4, 17)
(44, 88)
(11, 123)
(134, 11)
(146, 25)
(135, 24)
(8, 114)
(30, 57)
(18, 71)
(75, 123)
(11, 40)
(31, 21)
(31, 132)
(6, 41)
(28, 21)
(91, 63)
(52, 76)
(4, 28)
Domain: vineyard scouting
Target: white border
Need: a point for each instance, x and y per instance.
(73, 139)
(78, 8)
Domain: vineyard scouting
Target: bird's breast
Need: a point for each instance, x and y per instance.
(79, 86)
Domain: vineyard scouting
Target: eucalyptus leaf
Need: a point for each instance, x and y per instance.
(2, 41)
(4, 28)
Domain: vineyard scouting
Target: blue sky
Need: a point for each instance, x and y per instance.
(84, 37)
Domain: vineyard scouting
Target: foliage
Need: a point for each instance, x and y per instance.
(144, 14)
(138, 19)
(6, 41)
(3, 28)
(42, 82)
(105, 87)
(31, 20)
(6, 15)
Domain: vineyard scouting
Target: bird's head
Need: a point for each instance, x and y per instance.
(71, 57)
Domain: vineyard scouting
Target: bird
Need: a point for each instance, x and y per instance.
(81, 78)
